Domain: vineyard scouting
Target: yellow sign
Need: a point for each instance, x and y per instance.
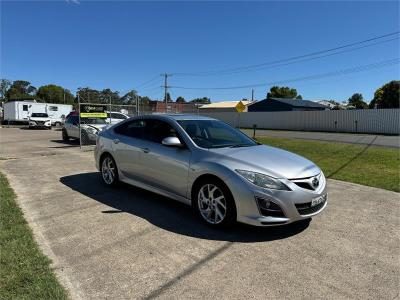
(240, 107)
(94, 115)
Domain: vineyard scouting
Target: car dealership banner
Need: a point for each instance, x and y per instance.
(93, 111)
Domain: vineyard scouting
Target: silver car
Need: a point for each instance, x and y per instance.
(203, 162)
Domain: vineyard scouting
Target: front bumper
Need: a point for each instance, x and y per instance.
(295, 204)
(40, 124)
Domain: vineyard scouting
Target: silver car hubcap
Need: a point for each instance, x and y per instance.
(108, 170)
(212, 204)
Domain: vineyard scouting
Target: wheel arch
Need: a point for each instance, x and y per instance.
(203, 177)
(103, 155)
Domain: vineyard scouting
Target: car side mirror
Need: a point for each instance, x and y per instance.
(172, 141)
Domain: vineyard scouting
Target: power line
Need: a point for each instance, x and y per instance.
(357, 69)
(316, 57)
(147, 82)
(294, 58)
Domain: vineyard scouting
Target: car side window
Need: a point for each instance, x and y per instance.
(118, 116)
(25, 107)
(157, 130)
(72, 120)
(135, 129)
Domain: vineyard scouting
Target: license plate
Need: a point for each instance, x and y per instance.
(318, 200)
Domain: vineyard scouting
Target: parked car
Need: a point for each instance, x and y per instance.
(222, 173)
(115, 117)
(39, 120)
(90, 127)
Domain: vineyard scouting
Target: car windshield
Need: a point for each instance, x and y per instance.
(215, 134)
(39, 115)
(93, 121)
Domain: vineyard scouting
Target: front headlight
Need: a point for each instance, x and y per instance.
(90, 130)
(263, 181)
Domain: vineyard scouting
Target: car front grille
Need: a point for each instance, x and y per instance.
(304, 185)
(306, 209)
(309, 183)
(40, 122)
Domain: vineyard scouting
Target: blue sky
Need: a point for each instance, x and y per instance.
(121, 44)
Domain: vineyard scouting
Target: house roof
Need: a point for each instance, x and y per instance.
(226, 104)
(297, 102)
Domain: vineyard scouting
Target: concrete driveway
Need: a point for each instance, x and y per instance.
(127, 243)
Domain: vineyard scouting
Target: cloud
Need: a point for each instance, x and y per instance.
(73, 1)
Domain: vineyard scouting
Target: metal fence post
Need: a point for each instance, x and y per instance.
(79, 118)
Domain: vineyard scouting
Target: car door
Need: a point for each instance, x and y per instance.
(162, 166)
(127, 147)
(68, 124)
(72, 126)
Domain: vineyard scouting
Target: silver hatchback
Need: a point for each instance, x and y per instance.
(203, 162)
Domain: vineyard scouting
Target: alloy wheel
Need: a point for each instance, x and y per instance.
(108, 170)
(212, 204)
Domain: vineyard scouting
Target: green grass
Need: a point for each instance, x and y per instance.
(362, 164)
(24, 271)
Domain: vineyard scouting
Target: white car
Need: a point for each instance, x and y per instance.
(39, 120)
(114, 117)
(90, 127)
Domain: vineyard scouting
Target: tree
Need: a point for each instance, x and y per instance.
(387, 96)
(203, 100)
(357, 101)
(144, 100)
(107, 94)
(169, 99)
(20, 89)
(129, 97)
(54, 94)
(180, 100)
(4, 86)
(283, 92)
(87, 94)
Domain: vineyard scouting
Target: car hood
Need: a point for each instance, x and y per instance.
(268, 160)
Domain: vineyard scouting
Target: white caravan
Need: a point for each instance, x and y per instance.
(22, 110)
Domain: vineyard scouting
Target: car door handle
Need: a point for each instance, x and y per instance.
(116, 141)
(146, 150)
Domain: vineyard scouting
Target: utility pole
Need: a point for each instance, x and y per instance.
(252, 94)
(165, 86)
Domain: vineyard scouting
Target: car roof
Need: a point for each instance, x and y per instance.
(179, 117)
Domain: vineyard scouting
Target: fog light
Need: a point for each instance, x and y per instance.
(265, 204)
(269, 208)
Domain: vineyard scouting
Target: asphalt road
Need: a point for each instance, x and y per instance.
(127, 243)
(364, 139)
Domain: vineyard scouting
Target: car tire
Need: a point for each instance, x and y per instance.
(109, 171)
(214, 203)
(65, 136)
